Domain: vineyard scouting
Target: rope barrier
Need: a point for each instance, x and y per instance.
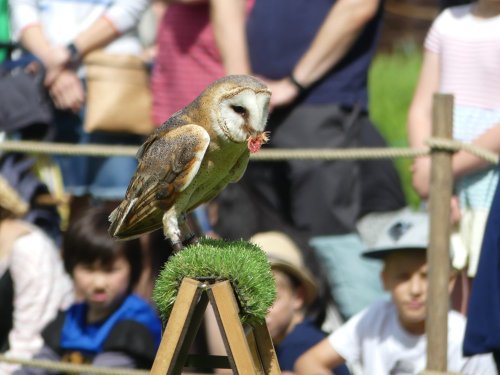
(266, 154)
(71, 367)
(67, 148)
(338, 154)
(454, 145)
(74, 368)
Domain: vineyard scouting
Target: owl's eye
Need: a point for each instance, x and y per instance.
(239, 109)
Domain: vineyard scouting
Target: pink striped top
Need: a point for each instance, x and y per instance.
(469, 51)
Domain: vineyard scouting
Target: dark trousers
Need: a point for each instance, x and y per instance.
(316, 196)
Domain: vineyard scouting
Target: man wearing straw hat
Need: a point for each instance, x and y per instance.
(33, 283)
(290, 327)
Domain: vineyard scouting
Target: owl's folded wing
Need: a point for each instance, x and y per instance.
(168, 162)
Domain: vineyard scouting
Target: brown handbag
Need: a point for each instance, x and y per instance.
(118, 94)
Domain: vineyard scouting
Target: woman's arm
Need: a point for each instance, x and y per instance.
(420, 111)
(464, 162)
(340, 29)
(228, 19)
(420, 120)
(121, 16)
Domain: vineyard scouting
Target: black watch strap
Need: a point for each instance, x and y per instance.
(299, 86)
(74, 54)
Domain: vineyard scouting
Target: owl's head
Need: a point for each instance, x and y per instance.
(241, 109)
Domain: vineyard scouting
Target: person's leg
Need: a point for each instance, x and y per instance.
(324, 195)
(109, 177)
(266, 183)
(73, 168)
(382, 190)
(326, 200)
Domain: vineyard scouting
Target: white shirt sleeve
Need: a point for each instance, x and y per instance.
(125, 14)
(23, 13)
(346, 340)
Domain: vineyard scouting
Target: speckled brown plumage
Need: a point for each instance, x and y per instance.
(192, 157)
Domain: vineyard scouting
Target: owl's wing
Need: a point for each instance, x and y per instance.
(168, 162)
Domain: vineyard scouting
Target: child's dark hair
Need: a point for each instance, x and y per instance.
(87, 241)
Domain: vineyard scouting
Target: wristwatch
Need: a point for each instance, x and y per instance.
(298, 85)
(74, 55)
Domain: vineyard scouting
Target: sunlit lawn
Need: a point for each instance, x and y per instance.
(391, 83)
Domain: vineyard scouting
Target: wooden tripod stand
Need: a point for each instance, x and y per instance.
(250, 354)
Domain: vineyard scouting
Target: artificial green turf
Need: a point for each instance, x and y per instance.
(244, 264)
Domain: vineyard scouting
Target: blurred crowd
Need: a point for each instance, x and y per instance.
(347, 251)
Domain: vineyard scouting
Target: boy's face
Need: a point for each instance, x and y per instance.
(286, 310)
(102, 288)
(405, 277)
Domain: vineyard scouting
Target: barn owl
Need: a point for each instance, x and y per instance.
(192, 157)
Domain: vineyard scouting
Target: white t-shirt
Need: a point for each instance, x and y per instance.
(375, 338)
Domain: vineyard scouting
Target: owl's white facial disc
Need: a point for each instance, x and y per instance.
(243, 115)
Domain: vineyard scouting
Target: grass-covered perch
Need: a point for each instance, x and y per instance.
(244, 264)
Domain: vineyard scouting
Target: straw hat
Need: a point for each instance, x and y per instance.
(10, 200)
(284, 255)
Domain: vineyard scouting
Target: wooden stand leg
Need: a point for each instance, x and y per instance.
(255, 352)
(266, 350)
(226, 312)
(177, 327)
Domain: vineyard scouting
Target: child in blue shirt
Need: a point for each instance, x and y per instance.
(110, 327)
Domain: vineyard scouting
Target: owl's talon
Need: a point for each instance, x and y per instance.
(177, 247)
(191, 239)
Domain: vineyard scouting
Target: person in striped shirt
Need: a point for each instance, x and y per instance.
(461, 57)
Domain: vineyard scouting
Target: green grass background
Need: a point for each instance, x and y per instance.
(392, 82)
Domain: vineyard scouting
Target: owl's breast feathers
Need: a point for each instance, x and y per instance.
(178, 165)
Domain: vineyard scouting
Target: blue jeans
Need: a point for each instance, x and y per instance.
(101, 177)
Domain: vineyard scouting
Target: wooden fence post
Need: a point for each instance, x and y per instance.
(438, 253)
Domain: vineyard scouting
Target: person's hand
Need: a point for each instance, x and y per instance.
(149, 54)
(421, 176)
(283, 92)
(455, 214)
(67, 91)
(55, 63)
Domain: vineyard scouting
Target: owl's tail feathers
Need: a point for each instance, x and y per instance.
(131, 220)
(117, 219)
